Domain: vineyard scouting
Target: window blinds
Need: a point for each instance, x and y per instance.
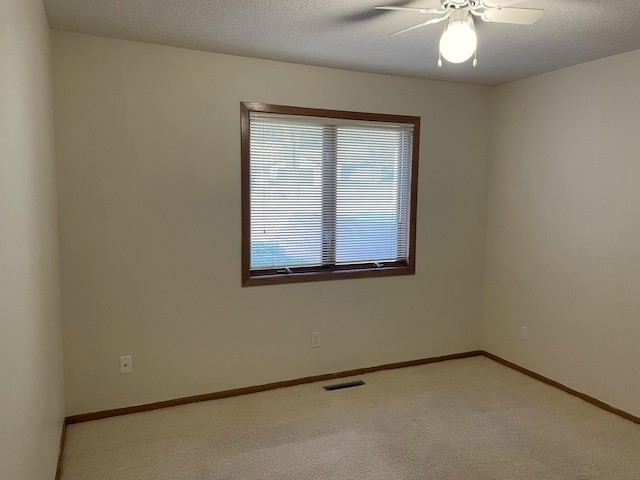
(328, 192)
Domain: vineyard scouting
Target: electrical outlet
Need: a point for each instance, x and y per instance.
(125, 364)
(524, 333)
(315, 339)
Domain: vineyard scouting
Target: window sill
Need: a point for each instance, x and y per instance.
(300, 277)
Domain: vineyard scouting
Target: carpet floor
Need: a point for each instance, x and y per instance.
(461, 419)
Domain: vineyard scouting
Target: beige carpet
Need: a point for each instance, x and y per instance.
(461, 419)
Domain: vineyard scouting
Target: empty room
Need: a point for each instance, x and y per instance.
(289, 239)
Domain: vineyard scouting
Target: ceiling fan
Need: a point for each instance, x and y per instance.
(459, 41)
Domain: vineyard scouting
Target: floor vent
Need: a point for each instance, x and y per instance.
(340, 386)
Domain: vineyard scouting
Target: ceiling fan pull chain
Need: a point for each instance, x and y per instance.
(440, 51)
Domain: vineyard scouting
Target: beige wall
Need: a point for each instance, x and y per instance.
(31, 378)
(148, 142)
(563, 254)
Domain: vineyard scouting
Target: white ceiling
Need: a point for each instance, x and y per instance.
(350, 34)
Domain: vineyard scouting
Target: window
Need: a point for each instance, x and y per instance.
(327, 194)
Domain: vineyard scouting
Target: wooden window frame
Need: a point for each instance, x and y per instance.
(326, 272)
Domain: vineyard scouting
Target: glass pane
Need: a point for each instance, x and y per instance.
(286, 195)
(368, 227)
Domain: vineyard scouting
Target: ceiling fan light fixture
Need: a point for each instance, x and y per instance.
(459, 40)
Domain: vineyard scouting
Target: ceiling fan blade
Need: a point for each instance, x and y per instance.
(424, 24)
(501, 3)
(434, 5)
(520, 16)
(405, 9)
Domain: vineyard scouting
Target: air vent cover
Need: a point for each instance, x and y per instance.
(340, 386)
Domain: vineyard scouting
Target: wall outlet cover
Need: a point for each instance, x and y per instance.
(125, 364)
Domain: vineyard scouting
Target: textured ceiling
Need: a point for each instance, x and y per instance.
(352, 35)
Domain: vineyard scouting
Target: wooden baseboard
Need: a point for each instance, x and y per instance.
(86, 417)
(62, 435)
(564, 388)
